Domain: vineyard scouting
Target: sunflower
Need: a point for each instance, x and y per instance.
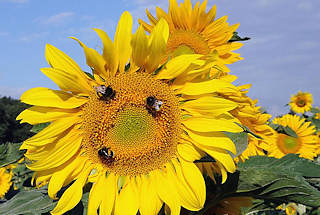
(290, 209)
(133, 128)
(250, 115)
(301, 102)
(192, 30)
(5, 181)
(304, 144)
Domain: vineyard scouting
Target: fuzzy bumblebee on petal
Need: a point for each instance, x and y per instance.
(195, 31)
(131, 131)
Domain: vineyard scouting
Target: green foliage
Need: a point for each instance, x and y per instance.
(315, 110)
(38, 127)
(280, 180)
(28, 202)
(235, 37)
(10, 129)
(271, 181)
(240, 140)
(9, 153)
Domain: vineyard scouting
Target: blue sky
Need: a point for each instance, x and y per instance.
(281, 58)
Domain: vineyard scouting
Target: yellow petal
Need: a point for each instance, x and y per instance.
(177, 66)
(53, 130)
(109, 183)
(195, 180)
(213, 139)
(204, 87)
(188, 198)
(188, 152)
(122, 39)
(158, 45)
(222, 156)
(59, 177)
(211, 104)
(140, 50)
(59, 60)
(128, 196)
(209, 125)
(37, 114)
(94, 59)
(72, 195)
(67, 81)
(109, 52)
(51, 98)
(58, 156)
(150, 203)
(166, 190)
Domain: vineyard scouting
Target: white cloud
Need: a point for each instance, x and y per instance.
(30, 37)
(57, 19)
(15, 1)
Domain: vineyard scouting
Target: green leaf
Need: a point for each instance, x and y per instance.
(38, 127)
(236, 37)
(9, 153)
(316, 122)
(315, 110)
(89, 75)
(285, 130)
(240, 140)
(27, 202)
(280, 180)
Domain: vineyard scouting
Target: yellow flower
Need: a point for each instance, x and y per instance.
(291, 208)
(134, 131)
(192, 30)
(249, 114)
(317, 116)
(5, 181)
(304, 144)
(301, 102)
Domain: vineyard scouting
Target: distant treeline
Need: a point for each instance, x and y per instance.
(10, 129)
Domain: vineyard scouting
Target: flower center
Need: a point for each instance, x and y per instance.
(288, 144)
(301, 103)
(186, 42)
(134, 131)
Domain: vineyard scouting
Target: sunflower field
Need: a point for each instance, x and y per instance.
(158, 127)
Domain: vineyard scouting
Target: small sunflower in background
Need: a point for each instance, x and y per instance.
(303, 143)
(192, 30)
(5, 181)
(132, 129)
(301, 102)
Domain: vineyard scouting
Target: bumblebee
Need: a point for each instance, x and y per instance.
(105, 93)
(153, 103)
(106, 155)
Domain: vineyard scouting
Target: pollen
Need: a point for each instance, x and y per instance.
(288, 144)
(139, 138)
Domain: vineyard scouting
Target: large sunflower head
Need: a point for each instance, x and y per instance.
(304, 143)
(133, 128)
(5, 181)
(301, 102)
(193, 30)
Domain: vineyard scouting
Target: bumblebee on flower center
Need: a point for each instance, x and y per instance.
(137, 129)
